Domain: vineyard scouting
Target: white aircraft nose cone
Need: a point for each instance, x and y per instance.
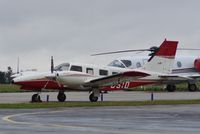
(15, 75)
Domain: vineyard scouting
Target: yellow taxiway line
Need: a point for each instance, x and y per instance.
(9, 119)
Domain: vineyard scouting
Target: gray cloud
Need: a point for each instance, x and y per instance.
(73, 29)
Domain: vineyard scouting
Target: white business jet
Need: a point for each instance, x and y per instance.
(184, 66)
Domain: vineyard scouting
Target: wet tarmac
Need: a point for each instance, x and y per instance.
(168, 119)
(111, 96)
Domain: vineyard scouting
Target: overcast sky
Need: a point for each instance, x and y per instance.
(71, 30)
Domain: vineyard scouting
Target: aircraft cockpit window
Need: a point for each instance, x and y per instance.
(127, 63)
(116, 63)
(62, 67)
(76, 68)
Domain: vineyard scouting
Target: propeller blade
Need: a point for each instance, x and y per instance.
(18, 65)
(52, 64)
(124, 51)
(189, 49)
(152, 49)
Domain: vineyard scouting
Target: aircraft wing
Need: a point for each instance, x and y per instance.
(116, 79)
(195, 76)
(181, 77)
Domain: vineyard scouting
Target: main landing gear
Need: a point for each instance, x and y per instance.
(36, 98)
(94, 95)
(93, 98)
(191, 87)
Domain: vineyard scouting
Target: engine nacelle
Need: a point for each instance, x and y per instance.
(197, 64)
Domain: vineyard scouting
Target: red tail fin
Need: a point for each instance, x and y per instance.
(167, 49)
(163, 59)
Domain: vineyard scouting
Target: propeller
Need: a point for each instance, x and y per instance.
(53, 75)
(18, 65)
(52, 64)
(153, 50)
(189, 49)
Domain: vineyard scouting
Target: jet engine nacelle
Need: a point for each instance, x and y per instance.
(197, 64)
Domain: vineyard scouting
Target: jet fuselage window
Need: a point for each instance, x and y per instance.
(76, 68)
(138, 65)
(103, 72)
(179, 64)
(90, 71)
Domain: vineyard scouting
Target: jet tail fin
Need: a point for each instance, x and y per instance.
(163, 59)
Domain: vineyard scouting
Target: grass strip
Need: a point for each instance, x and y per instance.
(95, 104)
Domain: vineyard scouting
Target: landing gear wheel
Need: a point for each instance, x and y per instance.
(192, 87)
(93, 98)
(36, 98)
(171, 88)
(61, 97)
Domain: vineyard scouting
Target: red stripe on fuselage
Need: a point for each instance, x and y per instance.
(39, 84)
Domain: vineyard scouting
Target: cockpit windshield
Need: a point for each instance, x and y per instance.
(127, 63)
(116, 63)
(62, 67)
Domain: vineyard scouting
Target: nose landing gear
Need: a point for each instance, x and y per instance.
(61, 96)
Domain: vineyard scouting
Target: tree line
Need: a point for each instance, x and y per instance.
(5, 76)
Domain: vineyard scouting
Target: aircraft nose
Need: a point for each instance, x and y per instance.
(15, 80)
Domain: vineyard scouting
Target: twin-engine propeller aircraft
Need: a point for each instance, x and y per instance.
(85, 77)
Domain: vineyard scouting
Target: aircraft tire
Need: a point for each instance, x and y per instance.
(36, 98)
(171, 88)
(93, 98)
(61, 97)
(192, 87)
